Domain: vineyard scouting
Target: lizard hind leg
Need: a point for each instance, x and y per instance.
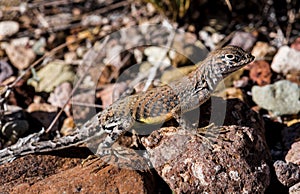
(108, 147)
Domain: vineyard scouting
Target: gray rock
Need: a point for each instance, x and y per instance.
(281, 98)
(228, 159)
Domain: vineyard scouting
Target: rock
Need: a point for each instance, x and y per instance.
(157, 56)
(235, 161)
(286, 60)
(294, 77)
(60, 95)
(262, 49)
(291, 143)
(52, 75)
(243, 39)
(293, 155)
(63, 172)
(8, 28)
(92, 20)
(281, 98)
(5, 70)
(39, 47)
(68, 126)
(295, 189)
(287, 173)
(80, 112)
(58, 21)
(20, 56)
(260, 72)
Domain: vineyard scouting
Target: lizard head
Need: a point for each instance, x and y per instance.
(229, 59)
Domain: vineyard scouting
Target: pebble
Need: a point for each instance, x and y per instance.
(20, 56)
(5, 70)
(8, 28)
(260, 72)
(243, 39)
(286, 60)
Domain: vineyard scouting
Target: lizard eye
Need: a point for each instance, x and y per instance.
(229, 57)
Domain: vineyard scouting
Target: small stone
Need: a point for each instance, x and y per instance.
(60, 95)
(286, 60)
(294, 77)
(5, 70)
(92, 20)
(39, 46)
(261, 50)
(243, 39)
(157, 55)
(260, 72)
(68, 126)
(281, 98)
(20, 56)
(8, 28)
(287, 173)
(293, 155)
(83, 112)
(295, 189)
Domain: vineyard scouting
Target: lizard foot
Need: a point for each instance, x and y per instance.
(89, 160)
(122, 157)
(97, 162)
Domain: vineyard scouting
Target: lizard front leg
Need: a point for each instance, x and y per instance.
(183, 122)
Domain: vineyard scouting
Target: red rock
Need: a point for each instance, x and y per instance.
(260, 72)
(66, 174)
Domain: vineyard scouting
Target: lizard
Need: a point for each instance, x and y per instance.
(156, 105)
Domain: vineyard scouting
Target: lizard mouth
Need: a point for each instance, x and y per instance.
(248, 58)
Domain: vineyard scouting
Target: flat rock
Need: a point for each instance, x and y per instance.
(281, 98)
(235, 161)
(64, 173)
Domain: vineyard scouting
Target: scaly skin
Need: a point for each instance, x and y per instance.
(151, 107)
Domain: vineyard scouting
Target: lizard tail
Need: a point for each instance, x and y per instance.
(33, 143)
